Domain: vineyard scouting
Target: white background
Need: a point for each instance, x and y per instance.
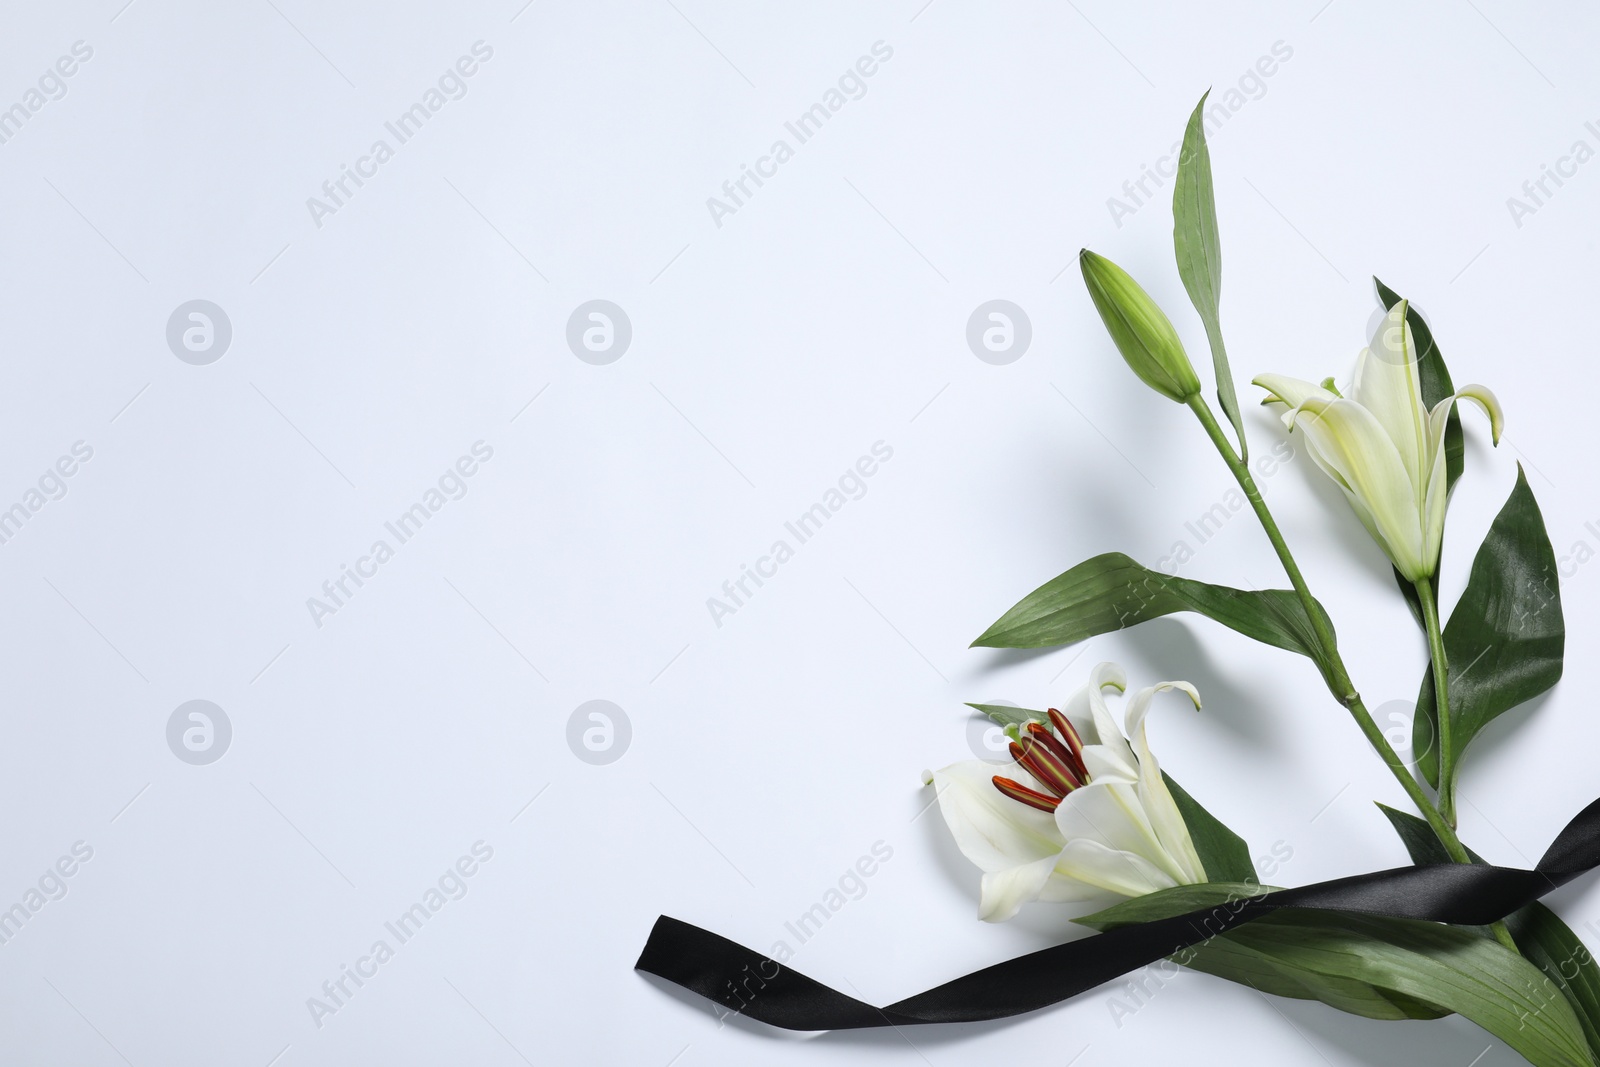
(768, 353)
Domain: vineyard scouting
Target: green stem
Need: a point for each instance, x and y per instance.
(1441, 699)
(1337, 678)
(1335, 675)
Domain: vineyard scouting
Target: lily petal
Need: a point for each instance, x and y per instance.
(1104, 870)
(1107, 763)
(1111, 813)
(1290, 392)
(1481, 395)
(1387, 383)
(1154, 795)
(1086, 709)
(1355, 447)
(1434, 507)
(1437, 499)
(993, 831)
(1002, 893)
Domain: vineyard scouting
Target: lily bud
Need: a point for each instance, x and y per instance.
(1143, 333)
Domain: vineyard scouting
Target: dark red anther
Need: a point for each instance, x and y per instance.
(1074, 743)
(1043, 765)
(1017, 791)
(1024, 755)
(1041, 733)
(1020, 754)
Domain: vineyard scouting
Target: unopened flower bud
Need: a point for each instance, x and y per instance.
(1143, 333)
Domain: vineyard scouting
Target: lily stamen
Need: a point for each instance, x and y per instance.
(1045, 766)
(1041, 733)
(1017, 791)
(1069, 734)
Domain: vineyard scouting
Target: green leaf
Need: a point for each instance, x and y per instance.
(1550, 945)
(1266, 965)
(1166, 903)
(1194, 239)
(1008, 716)
(1422, 844)
(1111, 591)
(1506, 637)
(1223, 853)
(1546, 941)
(1438, 966)
(1375, 966)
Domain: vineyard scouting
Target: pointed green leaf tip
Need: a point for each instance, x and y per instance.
(1199, 254)
(1112, 592)
(1505, 642)
(1141, 330)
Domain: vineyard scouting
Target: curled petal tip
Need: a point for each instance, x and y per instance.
(1490, 404)
(1108, 675)
(1185, 688)
(1482, 396)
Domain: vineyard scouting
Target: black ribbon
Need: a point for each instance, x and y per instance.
(748, 983)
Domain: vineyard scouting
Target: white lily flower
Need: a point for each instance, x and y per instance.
(1381, 444)
(1084, 814)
